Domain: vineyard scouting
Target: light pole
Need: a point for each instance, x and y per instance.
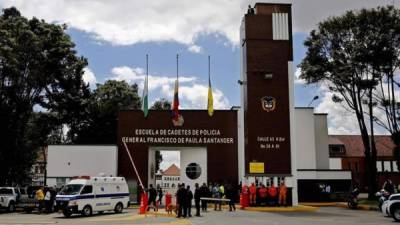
(312, 100)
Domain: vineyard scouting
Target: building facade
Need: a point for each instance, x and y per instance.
(347, 152)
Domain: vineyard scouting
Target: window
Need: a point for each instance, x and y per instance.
(386, 166)
(395, 168)
(88, 189)
(193, 171)
(379, 166)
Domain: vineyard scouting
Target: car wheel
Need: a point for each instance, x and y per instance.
(118, 208)
(11, 207)
(87, 211)
(67, 213)
(396, 214)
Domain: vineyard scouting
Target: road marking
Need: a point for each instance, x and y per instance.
(119, 218)
(177, 222)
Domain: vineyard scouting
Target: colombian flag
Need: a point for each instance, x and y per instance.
(175, 105)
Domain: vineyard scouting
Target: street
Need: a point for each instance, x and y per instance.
(323, 216)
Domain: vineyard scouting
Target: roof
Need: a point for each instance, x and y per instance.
(355, 148)
(173, 170)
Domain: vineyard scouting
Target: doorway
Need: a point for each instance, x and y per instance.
(192, 165)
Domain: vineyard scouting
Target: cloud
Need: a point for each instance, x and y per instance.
(195, 49)
(89, 77)
(342, 120)
(192, 94)
(132, 21)
(297, 79)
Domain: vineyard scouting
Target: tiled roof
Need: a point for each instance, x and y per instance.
(173, 170)
(355, 148)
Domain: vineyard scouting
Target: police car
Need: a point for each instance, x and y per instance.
(86, 195)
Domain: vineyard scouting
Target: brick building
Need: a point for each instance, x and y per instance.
(347, 152)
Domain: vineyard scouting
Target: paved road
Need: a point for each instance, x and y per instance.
(324, 216)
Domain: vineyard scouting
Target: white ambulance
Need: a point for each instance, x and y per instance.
(86, 195)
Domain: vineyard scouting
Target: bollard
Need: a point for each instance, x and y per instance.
(168, 200)
(143, 204)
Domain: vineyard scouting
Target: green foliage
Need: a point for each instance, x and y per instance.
(100, 123)
(38, 68)
(355, 55)
(161, 104)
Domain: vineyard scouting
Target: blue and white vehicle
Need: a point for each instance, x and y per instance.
(86, 195)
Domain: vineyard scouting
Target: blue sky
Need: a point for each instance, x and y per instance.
(116, 35)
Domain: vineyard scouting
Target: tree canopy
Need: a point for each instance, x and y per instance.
(39, 67)
(355, 55)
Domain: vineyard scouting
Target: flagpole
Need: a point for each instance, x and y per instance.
(209, 73)
(177, 65)
(147, 65)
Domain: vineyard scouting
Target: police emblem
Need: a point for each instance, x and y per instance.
(268, 103)
(178, 122)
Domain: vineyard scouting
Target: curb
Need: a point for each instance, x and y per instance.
(300, 208)
(340, 205)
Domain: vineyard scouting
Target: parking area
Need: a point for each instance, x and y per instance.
(323, 216)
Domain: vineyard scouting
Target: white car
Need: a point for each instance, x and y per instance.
(86, 195)
(8, 198)
(386, 204)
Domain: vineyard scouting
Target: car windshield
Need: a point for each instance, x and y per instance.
(5, 191)
(71, 189)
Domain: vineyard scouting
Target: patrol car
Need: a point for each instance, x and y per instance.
(86, 195)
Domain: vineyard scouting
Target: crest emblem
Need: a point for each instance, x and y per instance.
(268, 103)
(178, 122)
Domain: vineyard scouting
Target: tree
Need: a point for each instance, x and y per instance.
(100, 124)
(161, 104)
(348, 54)
(38, 68)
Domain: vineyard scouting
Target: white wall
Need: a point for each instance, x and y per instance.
(305, 138)
(76, 160)
(335, 163)
(321, 141)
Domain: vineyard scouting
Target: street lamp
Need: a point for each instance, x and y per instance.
(315, 98)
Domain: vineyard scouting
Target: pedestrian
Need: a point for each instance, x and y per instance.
(216, 195)
(263, 194)
(197, 196)
(205, 192)
(273, 194)
(282, 194)
(160, 194)
(152, 198)
(189, 198)
(47, 201)
(253, 193)
(231, 194)
(388, 185)
(181, 200)
(40, 198)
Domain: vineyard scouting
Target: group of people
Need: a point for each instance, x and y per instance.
(260, 194)
(46, 197)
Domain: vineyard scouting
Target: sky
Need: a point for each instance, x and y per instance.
(115, 37)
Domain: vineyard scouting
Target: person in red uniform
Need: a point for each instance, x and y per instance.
(253, 193)
(273, 194)
(263, 194)
(282, 194)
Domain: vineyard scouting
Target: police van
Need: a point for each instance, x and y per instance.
(86, 195)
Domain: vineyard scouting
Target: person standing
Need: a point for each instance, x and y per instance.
(263, 194)
(273, 194)
(282, 194)
(216, 195)
(160, 194)
(181, 199)
(152, 198)
(205, 192)
(197, 196)
(253, 193)
(40, 198)
(231, 194)
(47, 201)
(189, 198)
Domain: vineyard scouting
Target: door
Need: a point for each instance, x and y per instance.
(193, 166)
